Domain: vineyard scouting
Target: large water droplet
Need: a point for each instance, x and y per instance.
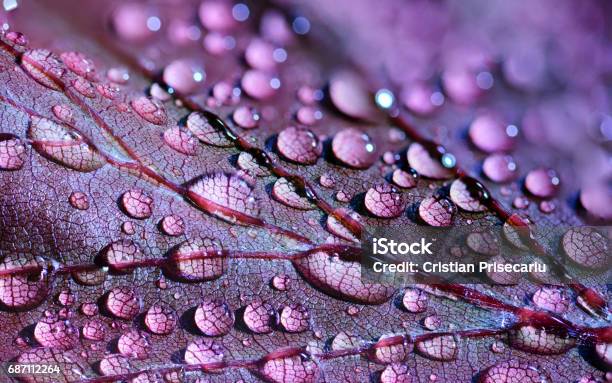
(488, 132)
(442, 347)
(62, 144)
(160, 319)
(384, 201)
(350, 95)
(437, 211)
(260, 317)
(299, 145)
(197, 260)
(123, 303)
(21, 291)
(539, 341)
(587, 247)
(137, 204)
(354, 148)
(543, 183)
(90, 277)
(427, 161)
(94, 329)
(469, 194)
(133, 344)
(286, 192)
(295, 318)
(597, 200)
(415, 300)
(151, 110)
(341, 278)
(214, 317)
(184, 76)
(181, 140)
(513, 371)
(247, 162)
(292, 369)
(12, 152)
(500, 168)
(203, 351)
(44, 67)
(224, 195)
(56, 333)
(397, 373)
(199, 125)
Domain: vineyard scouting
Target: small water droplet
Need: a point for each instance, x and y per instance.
(432, 322)
(114, 364)
(415, 300)
(352, 310)
(12, 152)
(281, 282)
(133, 344)
(586, 247)
(173, 225)
(500, 168)
(259, 54)
(258, 84)
(405, 179)
(294, 318)
(350, 95)
(384, 201)
(327, 180)
(286, 192)
(203, 351)
(216, 15)
(437, 211)
(123, 303)
(260, 317)
(57, 333)
(108, 90)
(354, 148)
(195, 260)
(79, 200)
(214, 317)
(469, 194)
(514, 371)
(488, 133)
(397, 373)
(137, 204)
(547, 207)
(246, 117)
(427, 160)
(80, 64)
(543, 183)
(184, 76)
(520, 202)
(151, 110)
(118, 75)
(299, 145)
(181, 140)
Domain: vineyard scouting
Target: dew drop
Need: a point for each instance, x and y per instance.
(547, 207)
(415, 300)
(343, 196)
(151, 110)
(44, 67)
(216, 15)
(183, 76)
(259, 54)
(281, 282)
(354, 148)
(173, 225)
(90, 277)
(604, 353)
(258, 84)
(552, 299)
(350, 95)
(513, 371)
(327, 180)
(73, 368)
(345, 341)
(500, 168)
(418, 99)
(65, 298)
(181, 140)
(307, 115)
(543, 183)
(89, 309)
(118, 75)
(214, 317)
(392, 349)
(128, 228)
(246, 117)
(432, 322)
(442, 348)
(137, 204)
(341, 278)
(260, 317)
(397, 373)
(129, 21)
(64, 113)
(520, 202)
(539, 341)
(286, 193)
(248, 163)
(80, 64)
(123, 303)
(291, 369)
(597, 201)
(133, 344)
(437, 211)
(94, 329)
(335, 227)
(55, 333)
(426, 161)
(586, 247)
(63, 145)
(197, 260)
(405, 179)
(160, 319)
(17, 38)
(21, 291)
(203, 351)
(299, 145)
(108, 91)
(384, 201)
(12, 152)
(114, 364)
(199, 125)
(488, 133)
(498, 347)
(294, 318)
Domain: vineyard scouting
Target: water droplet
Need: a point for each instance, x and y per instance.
(286, 192)
(44, 67)
(123, 303)
(197, 260)
(459, 83)
(483, 242)
(597, 200)
(327, 180)
(281, 282)
(432, 322)
(442, 347)
(469, 194)
(498, 347)
(79, 200)
(62, 144)
(181, 140)
(137, 204)
(405, 179)
(259, 54)
(12, 152)
(299, 145)
(341, 278)
(73, 368)
(514, 371)
(291, 369)
(260, 317)
(427, 161)
(552, 299)
(183, 76)
(415, 300)
(203, 351)
(586, 247)
(133, 344)
(214, 317)
(21, 291)
(173, 225)
(128, 228)
(65, 298)
(64, 113)
(89, 309)
(258, 84)
(540, 341)
(118, 75)
(216, 15)
(547, 207)
(338, 229)
(246, 117)
(150, 109)
(520, 202)
(392, 353)
(343, 196)
(114, 365)
(17, 38)
(307, 115)
(55, 333)
(350, 95)
(397, 373)
(354, 148)
(199, 125)
(248, 163)
(345, 341)
(437, 211)
(108, 91)
(80, 64)
(228, 194)
(418, 99)
(384, 201)
(90, 278)
(500, 168)
(94, 329)
(543, 183)
(488, 133)
(604, 352)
